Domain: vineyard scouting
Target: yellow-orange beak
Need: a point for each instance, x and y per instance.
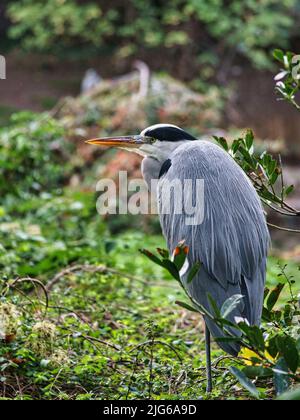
(122, 141)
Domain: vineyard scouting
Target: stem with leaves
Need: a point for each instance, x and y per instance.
(265, 173)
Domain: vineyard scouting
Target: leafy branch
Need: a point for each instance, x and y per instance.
(288, 79)
(265, 173)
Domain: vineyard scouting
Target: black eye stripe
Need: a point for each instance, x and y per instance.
(165, 167)
(169, 133)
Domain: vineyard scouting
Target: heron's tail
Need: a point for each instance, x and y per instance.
(253, 291)
(251, 308)
(202, 286)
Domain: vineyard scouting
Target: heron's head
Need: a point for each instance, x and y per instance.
(157, 141)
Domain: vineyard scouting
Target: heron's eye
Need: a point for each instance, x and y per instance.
(151, 140)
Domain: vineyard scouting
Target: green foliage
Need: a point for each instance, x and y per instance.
(264, 171)
(245, 381)
(293, 395)
(32, 151)
(272, 350)
(44, 25)
(248, 28)
(109, 313)
(288, 79)
(83, 315)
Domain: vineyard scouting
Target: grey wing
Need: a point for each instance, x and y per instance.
(231, 240)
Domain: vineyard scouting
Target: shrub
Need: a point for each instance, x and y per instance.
(248, 28)
(32, 151)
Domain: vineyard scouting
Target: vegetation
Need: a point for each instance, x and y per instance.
(74, 323)
(263, 170)
(44, 154)
(288, 79)
(272, 351)
(246, 29)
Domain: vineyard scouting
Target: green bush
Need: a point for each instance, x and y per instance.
(212, 30)
(42, 25)
(32, 150)
(288, 79)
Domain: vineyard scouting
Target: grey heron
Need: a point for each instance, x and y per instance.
(232, 240)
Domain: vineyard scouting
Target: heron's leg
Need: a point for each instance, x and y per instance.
(208, 360)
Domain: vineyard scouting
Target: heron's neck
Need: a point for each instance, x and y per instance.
(161, 150)
(154, 157)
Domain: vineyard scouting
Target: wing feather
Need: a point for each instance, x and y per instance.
(232, 241)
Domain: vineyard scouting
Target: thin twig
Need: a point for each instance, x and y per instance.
(34, 282)
(96, 269)
(283, 228)
(94, 339)
(155, 342)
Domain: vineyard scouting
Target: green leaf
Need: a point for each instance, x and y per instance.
(163, 253)
(222, 142)
(186, 306)
(266, 292)
(288, 190)
(265, 159)
(278, 55)
(179, 256)
(298, 345)
(272, 347)
(227, 339)
(281, 378)
(271, 167)
(253, 372)
(291, 395)
(249, 139)
(214, 306)
(247, 157)
(254, 335)
(273, 178)
(277, 315)
(287, 348)
(235, 146)
(244, 381)
(223, 321)
(266, 315)
(193, 272)
(151, 257)
(274, 295)
(165, 263)
(172, 269)
(288, 314)
(230, 305)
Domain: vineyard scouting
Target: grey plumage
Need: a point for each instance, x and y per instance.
(233, 240)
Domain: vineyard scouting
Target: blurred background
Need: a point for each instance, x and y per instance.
(212, 46)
